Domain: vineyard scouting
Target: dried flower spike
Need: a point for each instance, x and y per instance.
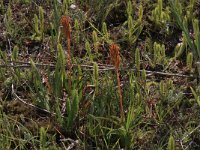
(114, 54)
(115, 57)
(65, 21)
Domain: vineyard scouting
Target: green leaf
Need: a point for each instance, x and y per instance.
(171, 143)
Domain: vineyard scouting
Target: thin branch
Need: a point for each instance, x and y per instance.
(90, 68)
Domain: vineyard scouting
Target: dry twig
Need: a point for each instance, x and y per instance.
(90, 68)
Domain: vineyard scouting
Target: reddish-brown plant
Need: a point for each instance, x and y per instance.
(115, 58)
(65, 21)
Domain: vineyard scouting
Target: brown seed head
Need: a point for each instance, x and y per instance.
(114, 54)
(65, 22)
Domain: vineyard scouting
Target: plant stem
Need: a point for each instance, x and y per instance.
(120, 95)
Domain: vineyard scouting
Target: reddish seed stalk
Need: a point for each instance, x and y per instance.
(115, 57)
(65, 21)
(68, 56)
(120, 95)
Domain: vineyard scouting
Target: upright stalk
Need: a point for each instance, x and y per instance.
(115, 57)
(120, 96)
(65, 21)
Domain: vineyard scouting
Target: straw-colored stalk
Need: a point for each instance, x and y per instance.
(115, 58)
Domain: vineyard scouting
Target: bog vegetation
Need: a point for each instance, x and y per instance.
(99, 74)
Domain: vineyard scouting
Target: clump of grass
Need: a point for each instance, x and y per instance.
(135, 27)
(159, 54)
(176, 9)
(39, 25)
(161, 16)
(42, 97)
(72, 110)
